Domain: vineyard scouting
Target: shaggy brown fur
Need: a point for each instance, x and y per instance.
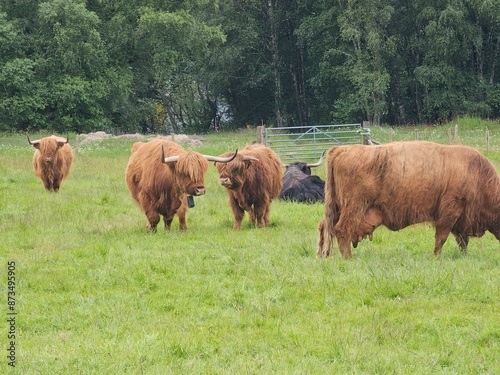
(160, 189)
(136, 146)
(52, 161)
(399, 184)
(252, 184)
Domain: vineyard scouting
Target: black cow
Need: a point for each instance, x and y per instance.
(300, 186)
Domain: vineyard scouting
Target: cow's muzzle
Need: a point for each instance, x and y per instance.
(200, 190)
(225, 181)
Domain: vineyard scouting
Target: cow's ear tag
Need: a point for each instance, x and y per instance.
(190, 201)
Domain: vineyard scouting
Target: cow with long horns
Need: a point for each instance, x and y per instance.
(52, 160)
(252, 180)
(160, 174)
(300, 186)
(399, 184)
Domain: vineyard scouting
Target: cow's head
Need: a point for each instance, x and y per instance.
(305, 167)
(232, 174)
(190, 169)
(298, 166)
(48, 147)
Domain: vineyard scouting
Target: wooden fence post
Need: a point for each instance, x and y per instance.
(260, 134)
(456, 133)
(366, 137)
(77, 143)
(487, 140)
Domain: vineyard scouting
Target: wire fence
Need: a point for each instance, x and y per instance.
(485, 140)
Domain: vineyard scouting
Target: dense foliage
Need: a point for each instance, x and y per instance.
(184, 65)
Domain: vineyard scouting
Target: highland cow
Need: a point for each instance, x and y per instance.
(52, 161)
(252, 180)
(160, 174)
(399, 184)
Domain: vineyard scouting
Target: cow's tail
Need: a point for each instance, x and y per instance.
(332, 214)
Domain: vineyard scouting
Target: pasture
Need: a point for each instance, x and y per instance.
(96, 294)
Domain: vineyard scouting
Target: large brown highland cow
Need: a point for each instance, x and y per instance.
(253, 179)
(52, 160)
(160, 174)
(399, 184)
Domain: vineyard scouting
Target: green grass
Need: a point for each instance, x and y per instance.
(98, 295)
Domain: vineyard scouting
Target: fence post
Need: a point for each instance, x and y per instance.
(456, 132)
(366, 137)
(487, 140)
(77, 143)
(416, 134)
(260, 133)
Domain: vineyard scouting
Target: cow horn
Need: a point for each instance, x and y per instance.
(170, 159)
(32, 142)
(61, 139)
(219, 159)
(248, 157)
(319, 161)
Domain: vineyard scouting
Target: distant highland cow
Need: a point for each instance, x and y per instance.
(399, 184)
(160, 174)
(52, 160)
(252, 180)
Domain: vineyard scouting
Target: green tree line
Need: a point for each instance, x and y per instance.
(187, 65)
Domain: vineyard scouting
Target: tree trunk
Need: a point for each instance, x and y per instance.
(275, 60)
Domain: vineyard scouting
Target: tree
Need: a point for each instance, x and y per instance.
(173, 63)
(364, 26)
(72, 57)
(21, 95)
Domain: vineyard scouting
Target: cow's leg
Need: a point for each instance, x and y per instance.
(168, 219)
(153, 220)
(238, 213)
(151, 213)
(440, 238)
(450, 212)
(56, 185)
(47, 184)
(181, 213)
(344, 238)
(325, 240)
(252, 216)
(443, 229)
(260, 215)
(344, 245)
(267, 213)
(462, 240)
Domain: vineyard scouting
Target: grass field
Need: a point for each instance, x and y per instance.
(96, 294)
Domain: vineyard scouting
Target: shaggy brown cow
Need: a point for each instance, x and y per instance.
(52, 160)
(253, 179)
(160, 184)
(399, 184)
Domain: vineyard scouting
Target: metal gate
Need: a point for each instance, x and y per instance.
(306, 144)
